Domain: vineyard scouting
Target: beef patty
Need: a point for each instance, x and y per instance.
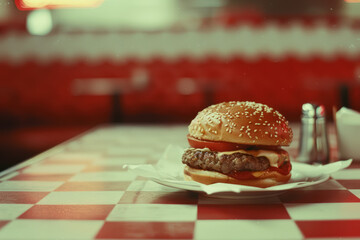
(209, 160)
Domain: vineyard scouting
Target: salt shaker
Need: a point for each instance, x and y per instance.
(307, 148)
(314, 146)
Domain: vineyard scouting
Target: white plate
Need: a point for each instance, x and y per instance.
(249, 193)
(169, 172)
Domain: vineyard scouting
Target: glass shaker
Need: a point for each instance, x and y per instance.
(314, 144)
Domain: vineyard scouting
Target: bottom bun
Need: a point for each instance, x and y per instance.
(210, 177)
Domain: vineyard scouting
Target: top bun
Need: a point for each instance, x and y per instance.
(246, 123)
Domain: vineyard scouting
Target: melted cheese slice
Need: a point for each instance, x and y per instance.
(273, 156)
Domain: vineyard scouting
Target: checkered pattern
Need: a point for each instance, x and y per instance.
(79, 190)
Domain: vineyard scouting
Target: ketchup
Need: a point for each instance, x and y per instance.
(244, 175)
(241, 175)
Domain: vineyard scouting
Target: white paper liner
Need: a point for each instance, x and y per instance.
(169, 171)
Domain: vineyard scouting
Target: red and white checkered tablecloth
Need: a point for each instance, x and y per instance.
(79, 190)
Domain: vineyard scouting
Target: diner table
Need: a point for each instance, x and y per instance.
(81, 190)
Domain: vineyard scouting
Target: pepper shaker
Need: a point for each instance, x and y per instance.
(322, 142)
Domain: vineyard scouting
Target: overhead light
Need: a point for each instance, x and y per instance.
(50, 4)
(39, 22)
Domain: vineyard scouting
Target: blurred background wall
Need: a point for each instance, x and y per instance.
(66, 66)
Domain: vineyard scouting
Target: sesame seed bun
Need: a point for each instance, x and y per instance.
(264, 180)
(247, 123)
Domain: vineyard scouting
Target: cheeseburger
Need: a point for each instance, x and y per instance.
(238, 143)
